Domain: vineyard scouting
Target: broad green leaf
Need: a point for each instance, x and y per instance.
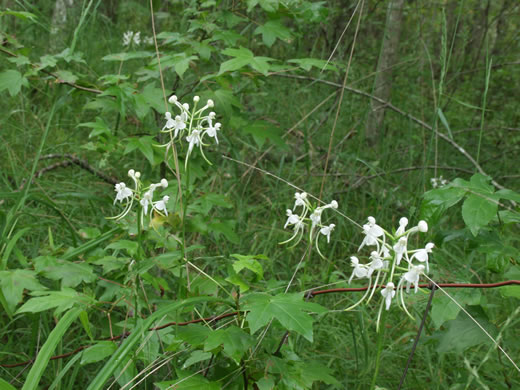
(249, 262)
(61, 300)
(242, 58)
(14, 282)
(71, 274)
(509, 195)
(267, 5)
(144, 145)
(227, 228)
(66, 76)
(180, 62)
(265, 383)
(273, 30)
(44, 355)
(478, 211)
(514, 290)
(4, 385)
(262, 130)
(444, 309)
(233, 339)
(230, 38)
(12, 80)
(125, 56)
(99, 127)
(289, 309)
(47, 61)
(112, 263)
(188, 381)
(196, 356)
(194, 334)
(481, 184)
(98, 352)
(225, 100)
(307, 63)
(463, 333)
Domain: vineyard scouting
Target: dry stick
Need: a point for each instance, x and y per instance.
(311, 294)
(405, 114)
(419, 331)
(341, 97)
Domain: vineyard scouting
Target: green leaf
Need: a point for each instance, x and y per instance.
(47, 61)
(234, 340)
(70, 274)
(307, 63)
(125, 56)
(144, 145)
(188, 381)
(19, 14)
(478, 211)
(509, 195)
(289, 309)
(514, 290)
(196, 357)
(194, 334)
(444, 309)
(180, 62)
(12, 80)
(227, 228)
(249, 262)
(83, 317)
(267, 5)
(14, 282)
(444, 121)
(273, 30)
(98, 352)
(99, 127)
(262, 130)
(44, 355)
(66, 76)
(463, 333)
(4, 385)
(61, 300)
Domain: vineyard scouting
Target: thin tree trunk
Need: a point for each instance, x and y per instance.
(59, 22)
(383, 80)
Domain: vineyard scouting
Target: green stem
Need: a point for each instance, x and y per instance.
(380, 337)
(184, 211)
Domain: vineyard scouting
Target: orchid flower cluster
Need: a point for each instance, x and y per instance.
(391, 258)
(438, 182)
(193, 123)
(299, 222)
(134, 38)
(143, 195)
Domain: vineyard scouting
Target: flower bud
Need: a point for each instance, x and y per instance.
(186, 106)
(131, 172)
(164, 183)
(137, 175)
(196, 99)
(422, 226)
(210, 103)
(172, 99)
(334, 204)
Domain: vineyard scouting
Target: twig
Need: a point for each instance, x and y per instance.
(70, 159)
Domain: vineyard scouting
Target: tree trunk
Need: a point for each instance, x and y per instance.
(383, 80)
(59, 22)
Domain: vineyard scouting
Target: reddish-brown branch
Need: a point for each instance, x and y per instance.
(310, 294)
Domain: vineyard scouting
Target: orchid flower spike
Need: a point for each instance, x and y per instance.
(388, 293)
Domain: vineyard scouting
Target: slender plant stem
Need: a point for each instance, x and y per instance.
(380, 337)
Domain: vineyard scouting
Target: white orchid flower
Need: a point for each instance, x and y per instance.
(412, 277)
(372, 232)
(422, 254)
(122, 192)
(360, 270)
(388, 293)
(326, 230)
(160, 205)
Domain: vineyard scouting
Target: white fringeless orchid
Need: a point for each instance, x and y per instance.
(300, 221)
(143, 195)
(387, 262)
(193, 123)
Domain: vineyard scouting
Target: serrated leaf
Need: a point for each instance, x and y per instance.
(196, 357)
(288, 309)
(193, 334)
(66, 76)
(242, 58)
(227, 228)
(478, 211)
(71, 274)
(98, 352)
(249, 262)
(444, 309)
(12, 80)
(463, 333)
(144, 145)
(14, 282)
(60, 300)
(99, 127)
(273, 30)
(233, 339)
